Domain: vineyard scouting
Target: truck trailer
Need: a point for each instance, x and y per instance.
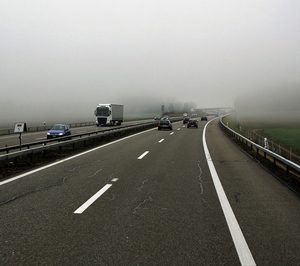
(109, 114)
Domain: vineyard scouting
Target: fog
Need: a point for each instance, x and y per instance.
(270, 107)
(59, 59)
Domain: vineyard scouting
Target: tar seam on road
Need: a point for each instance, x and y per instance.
(239, 241)
(70, 158)
(161, 140)
(143, 155)
(89, 202)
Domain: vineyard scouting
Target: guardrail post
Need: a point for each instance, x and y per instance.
(266, 143)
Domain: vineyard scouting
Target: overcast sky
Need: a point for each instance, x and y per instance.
(87, 52)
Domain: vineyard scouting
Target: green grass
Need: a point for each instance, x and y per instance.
(289, 137)
(286, 135)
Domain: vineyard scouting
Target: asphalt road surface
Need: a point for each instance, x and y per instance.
(151, 199)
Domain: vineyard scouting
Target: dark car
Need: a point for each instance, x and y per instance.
(192, 123)
(203, 118)
(165, 118)
(58, 130)
(165, 124)
(186, 120)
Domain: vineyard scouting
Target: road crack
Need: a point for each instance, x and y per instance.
(200, 178)
(142, 185)
(140, 205)
(94, 174)
(113, 196)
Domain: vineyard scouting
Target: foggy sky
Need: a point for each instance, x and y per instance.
(64, 56)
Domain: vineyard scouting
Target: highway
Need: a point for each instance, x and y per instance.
(152, 198)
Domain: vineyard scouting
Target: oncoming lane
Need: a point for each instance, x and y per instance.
(13, 139)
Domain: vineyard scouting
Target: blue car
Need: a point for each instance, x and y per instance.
(58, 130)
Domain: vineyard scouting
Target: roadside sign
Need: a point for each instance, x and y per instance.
(20, 127)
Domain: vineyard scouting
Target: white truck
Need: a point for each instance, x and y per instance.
(109, 114)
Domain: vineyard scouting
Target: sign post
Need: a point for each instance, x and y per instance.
(20, 128)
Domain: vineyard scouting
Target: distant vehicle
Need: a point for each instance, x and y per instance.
(109, 114)
(164, 118)
(59, 130)
(185, 120)
(192, 123)
(203, 118)
(156, 118)
(165, 124)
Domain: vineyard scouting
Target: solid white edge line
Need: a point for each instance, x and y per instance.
(70, 158)
(239, 241)
(161, 140)
(143, 155)
(90, 201)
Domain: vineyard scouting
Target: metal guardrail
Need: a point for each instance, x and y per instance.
(15, 151)
(277, 159)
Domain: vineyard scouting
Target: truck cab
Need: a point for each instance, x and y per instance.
(109, 114)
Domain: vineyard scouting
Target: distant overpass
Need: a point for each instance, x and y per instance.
(215, 110)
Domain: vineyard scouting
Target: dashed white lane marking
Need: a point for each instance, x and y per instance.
(89, 202)
(70, 158)
(178, 128)
(239, 241)
(161, 140)
(115, 180)
(171, 133)
(183, 126)
(143, 155)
